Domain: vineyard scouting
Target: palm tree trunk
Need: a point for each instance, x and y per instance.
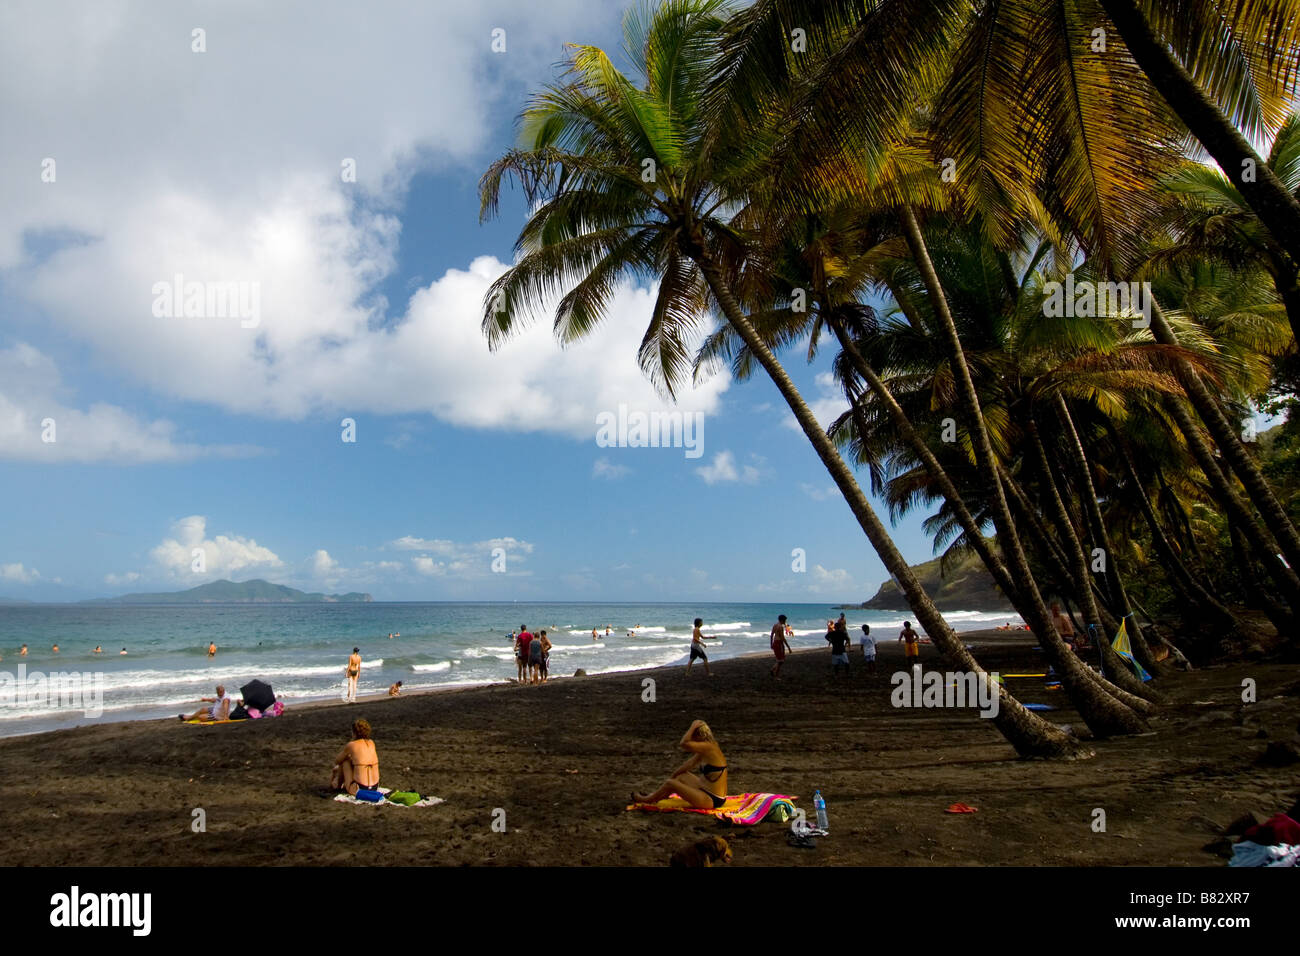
(1264, 192)
(1093, 510)
(1116, 668)
(1204, 605)
(1025, 731)
(937, 473)
(1104, 714)
(1234, 507)
(1257, 596)
(1231, 447)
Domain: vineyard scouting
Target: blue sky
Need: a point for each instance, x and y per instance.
(176, 432)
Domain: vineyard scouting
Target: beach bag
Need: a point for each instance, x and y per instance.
(239, 713)
(405, 798)
(370, 796)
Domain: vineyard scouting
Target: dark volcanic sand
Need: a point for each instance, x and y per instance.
(561, 758)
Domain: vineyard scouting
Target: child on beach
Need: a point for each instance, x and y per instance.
(697, 648)
(868, 649)
(395, 690)
(546, 656)
(780, 646)
(913, 643)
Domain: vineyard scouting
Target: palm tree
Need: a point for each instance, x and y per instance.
(630, 180)
(1037, 125)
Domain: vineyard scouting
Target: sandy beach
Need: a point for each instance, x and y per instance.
(559, 760)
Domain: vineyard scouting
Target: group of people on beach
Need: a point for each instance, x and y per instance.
(532, 655)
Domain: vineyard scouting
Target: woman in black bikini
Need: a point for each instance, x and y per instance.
(706, 789)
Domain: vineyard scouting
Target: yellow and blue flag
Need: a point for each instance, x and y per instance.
(1125, 650)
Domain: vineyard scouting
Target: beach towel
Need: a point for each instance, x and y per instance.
(348, 798)
(236, 720)
(961, 808)
(744, 810)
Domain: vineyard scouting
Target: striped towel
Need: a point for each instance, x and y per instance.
(744, 809)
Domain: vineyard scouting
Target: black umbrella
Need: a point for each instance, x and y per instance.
(258, 694)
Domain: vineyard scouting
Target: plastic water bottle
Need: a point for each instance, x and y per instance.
(820, 803)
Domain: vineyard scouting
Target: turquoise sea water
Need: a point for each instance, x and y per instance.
(301, 649)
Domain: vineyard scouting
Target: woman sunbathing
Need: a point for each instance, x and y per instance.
(358, 763)
(705, 790)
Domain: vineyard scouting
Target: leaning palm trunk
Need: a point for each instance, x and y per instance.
(1101, 711)
(1234, 507)
(1275, 206)
(1231, 447)
(1088, 494)
(1116, 670)
(1001, 576)
(992, 562)
(1204, 605)
(1024, 730)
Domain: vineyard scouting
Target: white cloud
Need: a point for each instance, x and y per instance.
(724, 469)
(427, 566)
(36, 424)
(836, 581)
(222, 555)
(18, 573)
(118, 580)
(262, 202)
(465, 559)
(827, 403)
(816, 493)
(603, 468)
(322, 565)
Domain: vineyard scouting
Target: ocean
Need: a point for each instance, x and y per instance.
(301, 649)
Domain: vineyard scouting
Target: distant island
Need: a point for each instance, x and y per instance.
(967, 586)
(237, 592)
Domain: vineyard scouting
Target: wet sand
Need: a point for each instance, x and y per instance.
(559, 760)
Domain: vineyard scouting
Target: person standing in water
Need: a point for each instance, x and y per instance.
(780, 646)
(353, 672)
(212, 649)
(697, 648)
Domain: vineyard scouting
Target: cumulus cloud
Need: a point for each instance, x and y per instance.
(135, 205)
(827, 403)
(222, 555)
(37, 423)
(119, 580)
(724, 469)
(466, 559)
(830, 581)
(18, 573)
